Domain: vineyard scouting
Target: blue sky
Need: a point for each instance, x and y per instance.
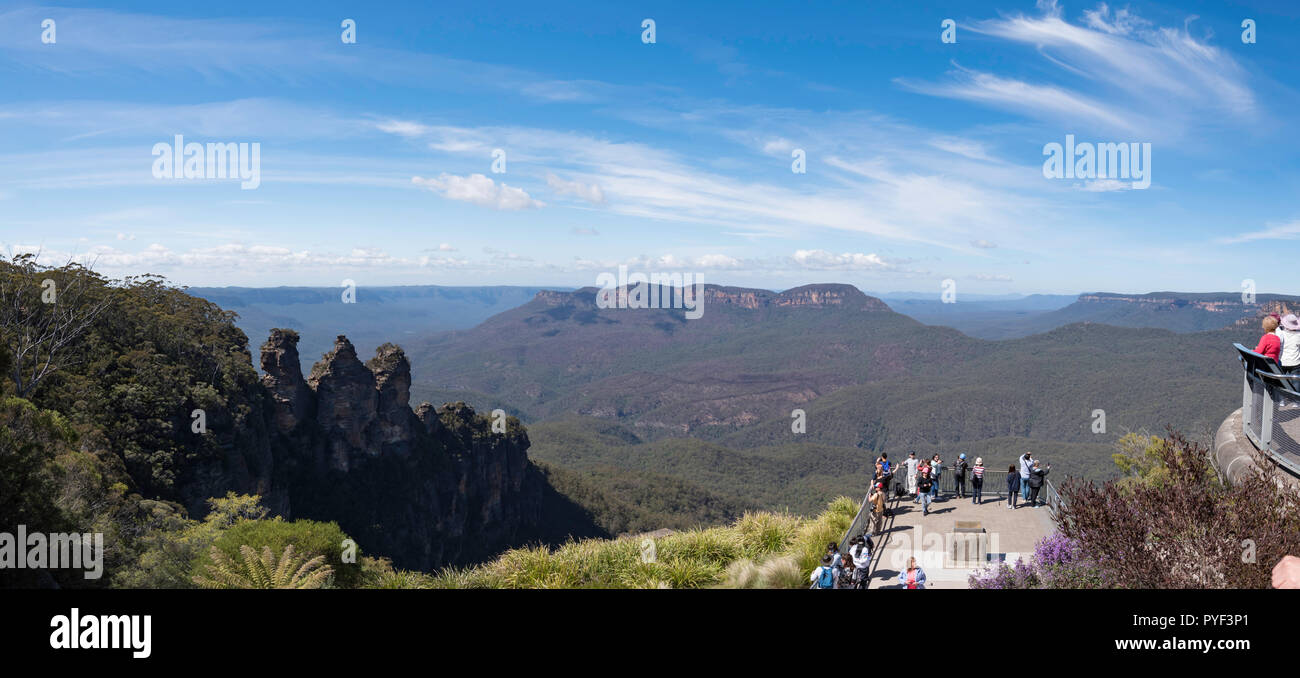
(924, 158)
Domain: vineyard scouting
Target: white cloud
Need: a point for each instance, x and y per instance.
(479, 190)
(991, 277)
(1286, 231)
(1045, 101)
(778, 146)
(823, 260)
(983, 244)
(403, 128)
(1160, 82)
(589, 192)
(1106, 185)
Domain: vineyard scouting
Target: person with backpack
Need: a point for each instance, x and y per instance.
(824, 576)
(959, 474)
(923, 486)
(913, 577)
(877, 501)
(977, 481)
(1013, 486)
(1036, 477)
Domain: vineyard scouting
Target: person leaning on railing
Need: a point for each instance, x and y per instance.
(1036, 477)
(1289, 334)
(1270, 344)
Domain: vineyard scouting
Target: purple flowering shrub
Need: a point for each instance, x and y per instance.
(1058, 563)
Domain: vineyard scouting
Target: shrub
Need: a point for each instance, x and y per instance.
(1179, 525)
(267, 571)
(308, 537)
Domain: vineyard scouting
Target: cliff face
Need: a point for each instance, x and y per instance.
(830, 295)
(426, 488)
(1229, 308)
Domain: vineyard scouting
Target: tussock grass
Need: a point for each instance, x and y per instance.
(760, 550)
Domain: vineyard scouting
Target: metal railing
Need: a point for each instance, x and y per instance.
(1270, 408)
(995, 486)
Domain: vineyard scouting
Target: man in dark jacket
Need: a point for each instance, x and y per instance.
(923, 485)
(959, 473)
(1036, 482)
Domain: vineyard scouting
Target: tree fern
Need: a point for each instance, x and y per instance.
(265, 571)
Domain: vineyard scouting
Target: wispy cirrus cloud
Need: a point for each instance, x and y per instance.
(1284, 231)
(1113, 70)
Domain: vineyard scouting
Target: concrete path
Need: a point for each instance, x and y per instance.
(908, 534)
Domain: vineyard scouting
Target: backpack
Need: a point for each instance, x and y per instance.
(826, 580)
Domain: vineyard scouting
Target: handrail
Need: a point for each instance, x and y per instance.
(1269, 400)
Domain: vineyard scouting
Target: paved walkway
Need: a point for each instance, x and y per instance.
(909, 534)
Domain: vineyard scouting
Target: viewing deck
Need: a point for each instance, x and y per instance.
(1269, 418)
(957, 538)
(932, 538)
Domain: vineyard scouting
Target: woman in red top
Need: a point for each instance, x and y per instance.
(1269, 344)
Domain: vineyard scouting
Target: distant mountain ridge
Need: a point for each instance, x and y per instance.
(622, 393)
(1176, 311)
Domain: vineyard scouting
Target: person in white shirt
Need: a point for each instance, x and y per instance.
(1026, 467)
(862, 559)
(1289, 332)
(912, 463)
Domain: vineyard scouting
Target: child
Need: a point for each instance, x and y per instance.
(977, 481)
(824, 576)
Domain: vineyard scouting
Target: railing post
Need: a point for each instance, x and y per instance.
(1247, 402)
(1266, 419)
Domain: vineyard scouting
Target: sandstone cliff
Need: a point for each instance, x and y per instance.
(426, 488)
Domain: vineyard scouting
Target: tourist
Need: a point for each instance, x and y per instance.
(1013, 486)
(887, 470)
(877, 501)
(923, 486)
(936, 469)
(913, 577)
(824, 577)
(977, 481)
(1036, 482)
(959, 474)
(1270, 345)
(833, 550)
(912, 465)
(1026, 465)
(845, 573)
(861, 552)
(1289, 335)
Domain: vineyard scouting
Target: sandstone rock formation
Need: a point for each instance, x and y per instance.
(426, 488)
